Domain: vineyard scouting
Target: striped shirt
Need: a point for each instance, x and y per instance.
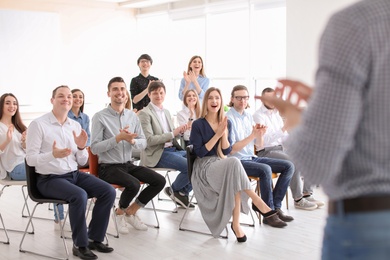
(343, 142)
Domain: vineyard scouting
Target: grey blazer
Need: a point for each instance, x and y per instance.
(155, 136)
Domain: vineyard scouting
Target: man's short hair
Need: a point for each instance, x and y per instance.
(267, 90)
(53, 94)
(156, 85)
(145, 57)
(116, 79)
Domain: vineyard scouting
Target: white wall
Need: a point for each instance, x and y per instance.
(306, 19)
(64, 43)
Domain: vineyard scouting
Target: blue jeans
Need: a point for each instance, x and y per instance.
(60, 212)
(357, 236)
(18, 173)
(263, 168)
(175, 159)
(76, 187)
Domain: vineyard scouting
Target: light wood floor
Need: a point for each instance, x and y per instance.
(301, 239)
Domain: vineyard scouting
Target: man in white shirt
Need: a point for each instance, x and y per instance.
(272, 148)
(55, 147)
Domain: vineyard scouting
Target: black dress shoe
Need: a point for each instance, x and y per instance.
(100, 247)
(239, 239)
(83, 253)
(284, 217)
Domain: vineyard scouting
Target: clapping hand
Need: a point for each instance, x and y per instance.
(289, 108)
(60, 153)
(81, 139)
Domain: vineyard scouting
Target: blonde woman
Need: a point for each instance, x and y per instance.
(189, 113)
(194, 78)
(220, 183)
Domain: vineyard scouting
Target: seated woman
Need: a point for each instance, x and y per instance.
(12, 139)
(220, 183)
(189, 113)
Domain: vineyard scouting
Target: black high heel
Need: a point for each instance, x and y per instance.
(239, 239)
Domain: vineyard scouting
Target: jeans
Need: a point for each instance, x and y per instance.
(75, 188)
(357, 236)
(18, 173)
(264, 167)
(60, 212)
(172, 158)
(129, 176)
(297, 191)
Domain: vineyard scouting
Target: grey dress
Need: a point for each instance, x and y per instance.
(215, 181)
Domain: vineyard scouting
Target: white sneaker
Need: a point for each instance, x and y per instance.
(123, 228)
(136, 222)
(312, 199)
(305, 204)
(66, 227)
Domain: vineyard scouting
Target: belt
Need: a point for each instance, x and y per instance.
(363, 204)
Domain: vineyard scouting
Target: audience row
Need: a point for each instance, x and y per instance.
(224, 146)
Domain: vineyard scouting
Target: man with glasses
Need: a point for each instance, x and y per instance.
(244, 135)
(272, 147)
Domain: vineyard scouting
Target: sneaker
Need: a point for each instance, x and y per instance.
(305, 204)
(136, 222)
(123, 227)
(66, 227)
(313, 200)
(179, 199)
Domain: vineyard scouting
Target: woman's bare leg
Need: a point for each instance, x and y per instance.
(236, 215)
(259, 203)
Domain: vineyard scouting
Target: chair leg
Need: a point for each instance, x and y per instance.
(35, 253)
(5, 231)
(166, 176)
(115, 224)
(196, 231)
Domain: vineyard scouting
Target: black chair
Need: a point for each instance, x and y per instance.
(37, 197)
(191, 157)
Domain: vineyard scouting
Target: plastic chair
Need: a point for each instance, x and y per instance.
(7, 182)
(37, 197)
(191, 157)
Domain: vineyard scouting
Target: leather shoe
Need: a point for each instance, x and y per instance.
(83, 253)
(100, 247)
(239, 239)
(284, 217)
(274, 221)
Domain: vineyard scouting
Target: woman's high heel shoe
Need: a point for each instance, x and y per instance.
(239, 239)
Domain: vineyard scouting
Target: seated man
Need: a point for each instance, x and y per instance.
(116, 131)
(162, 149)
(55, 147)
(272, 148)
(243, 135)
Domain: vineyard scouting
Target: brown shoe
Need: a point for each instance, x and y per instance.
(284, 217)
(274, 221)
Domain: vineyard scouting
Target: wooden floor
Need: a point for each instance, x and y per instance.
(301, 239)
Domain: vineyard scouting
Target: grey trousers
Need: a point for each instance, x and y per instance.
(297, 191)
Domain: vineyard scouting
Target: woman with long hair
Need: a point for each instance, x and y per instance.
(220, 184)
(12, 139)
(77, 112)
(194, 78)
(189, 113)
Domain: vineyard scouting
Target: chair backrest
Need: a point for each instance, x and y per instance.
(93, 163)
(190, 160)
(31, 177)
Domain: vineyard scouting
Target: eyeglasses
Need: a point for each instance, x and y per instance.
(239, 98)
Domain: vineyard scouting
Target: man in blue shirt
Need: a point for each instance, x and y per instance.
(244, 133)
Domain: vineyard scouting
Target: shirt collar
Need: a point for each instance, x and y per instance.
(114, 112)
(156, 108)
(72, 115)
(236, 114)
(53, 119)
(268, 111)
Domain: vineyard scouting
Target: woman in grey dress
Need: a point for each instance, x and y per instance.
(220, 183)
